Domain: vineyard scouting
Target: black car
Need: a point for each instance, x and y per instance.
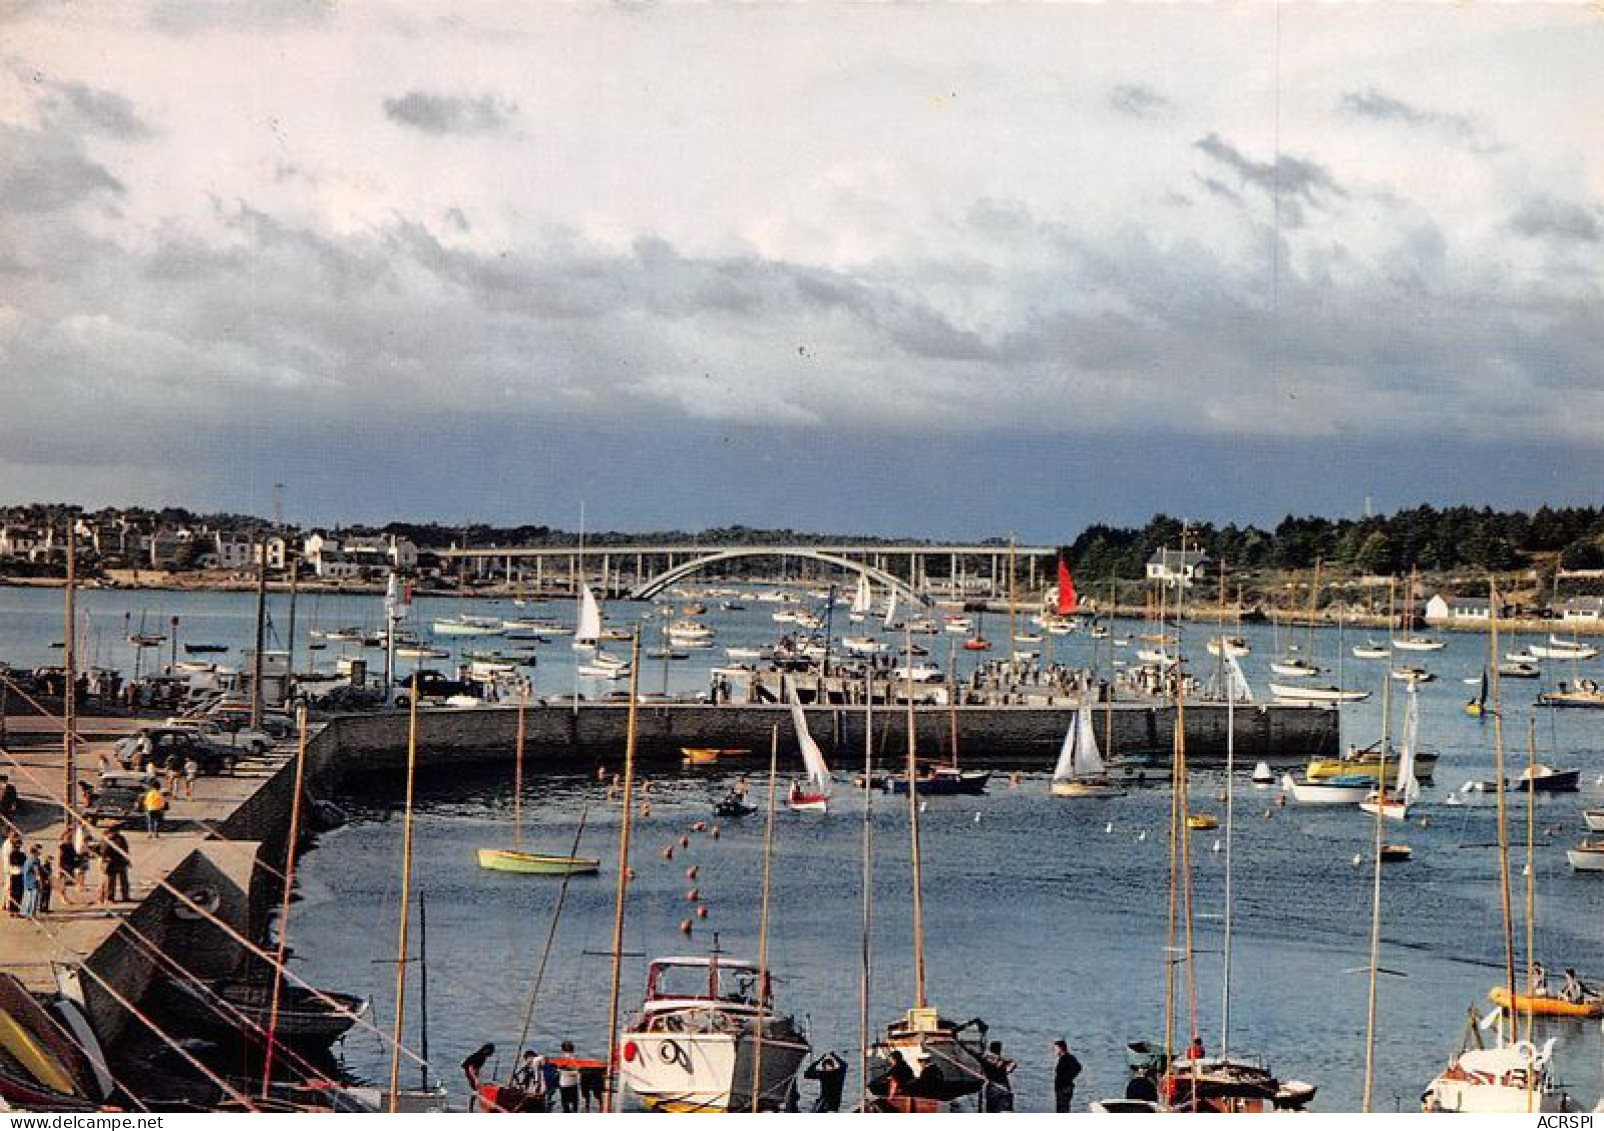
(159, 745)
(117, 797)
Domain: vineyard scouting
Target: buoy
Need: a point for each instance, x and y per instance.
(701, 912)
(1216, 846)
(690, 873)
(630, 874)
(699, 827)
(684, 842)
(685, 926)
(1357, 859)
(1220, 797)
(601, 773)
(645, 787)
(1425, 822)
(693, 895)
(977, 818)
(1108, 828)
(1141, 836)
(1280, 801)
(646, 809)
(1268, 813)
(922, 805)
(714, 832)
(668, 853)
(1013, 778)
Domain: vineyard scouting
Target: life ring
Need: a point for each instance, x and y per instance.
(206, 901)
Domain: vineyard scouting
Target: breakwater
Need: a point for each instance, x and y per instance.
(1012, 738)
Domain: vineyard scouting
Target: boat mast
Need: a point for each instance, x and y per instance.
(1375, 889)
(1226, 683)
(1503, 816)
(423, 993)
(868, 888)
(406, 896)
(69, 694)
(1531, 863)
(1012, 605)
(261, 633)
(913, 833)
(763, 922)
(623, 862)
(518, 780)
(291, 844)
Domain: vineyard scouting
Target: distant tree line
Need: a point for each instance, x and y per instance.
(1427, 538)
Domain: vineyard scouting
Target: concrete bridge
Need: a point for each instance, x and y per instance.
(921, 571)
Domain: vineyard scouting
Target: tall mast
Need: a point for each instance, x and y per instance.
(406, 897)
(284, 908)
(69, 695)
(1503, 817)
(913, 832)
(518, 781)
(1375, 889)
(763, 920)
(261, 633)
(623, 860)
(1224, 682)
(1012, 603)
(868, 888)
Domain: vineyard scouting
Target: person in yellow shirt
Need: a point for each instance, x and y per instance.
(154, 803)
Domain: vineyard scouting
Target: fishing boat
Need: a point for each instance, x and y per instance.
(1587, 856)
(939, 780)
(813, 793)
(1584, 693)
(1080, 771)
(1225, 1085)
(1370, 650)
(733, 805)
(705, 1029)
(1590, 1004)
(1314, 696)
(1349, 790)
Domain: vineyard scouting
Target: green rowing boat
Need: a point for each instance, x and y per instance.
(535, 864)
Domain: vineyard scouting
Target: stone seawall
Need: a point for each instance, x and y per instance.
(1023, 738)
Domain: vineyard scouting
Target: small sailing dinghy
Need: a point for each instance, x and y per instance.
(812, 795)
(1080, 771)
(1407, 790)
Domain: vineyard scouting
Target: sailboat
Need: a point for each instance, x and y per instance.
(862, 600)
(515, 859)
(813, 793)
(946, 1057)
(1477, 707)
(589, 627)
(1407, 790)
(1080, 771)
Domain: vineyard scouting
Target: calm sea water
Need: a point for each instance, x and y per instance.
(1039, 917)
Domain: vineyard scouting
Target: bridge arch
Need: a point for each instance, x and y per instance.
(654, 586)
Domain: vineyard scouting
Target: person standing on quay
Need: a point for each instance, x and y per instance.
(67, 862)
(154, 803)
(1065, 1071)
(15, 858)
(831, 1073)
(30, 883)
(114, 865)
(568, 1080)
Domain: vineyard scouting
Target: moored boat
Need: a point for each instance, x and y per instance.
(1315, 696)
(1507, 1079)
(1587, 856)
(1584, 693)
(1549, 1005)
(1333, 791)
(1080, 771)
(939, 780)
(535, 863)
(706, 1027)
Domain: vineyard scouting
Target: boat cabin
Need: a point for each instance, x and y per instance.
(673, 982)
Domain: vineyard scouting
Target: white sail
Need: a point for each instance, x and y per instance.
(1408, 787)
(863, 599)
(589, 629)
(1079, 756)
(1237, 686)
(891, 609)
(812, 756)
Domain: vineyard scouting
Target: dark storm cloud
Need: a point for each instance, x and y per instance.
(1139, 101)
(450, 114)
(98, 111)
(45, 172)
(1295, 182)
(1544, 217)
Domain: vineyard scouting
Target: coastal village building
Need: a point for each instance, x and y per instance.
(358, 555)
(26, 542)
(1447, 608)
(1580, 610)
(237, 552)
(1171, 566)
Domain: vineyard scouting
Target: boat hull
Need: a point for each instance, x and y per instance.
(535, 864)
(1325, 793)
(970, 781)
(1545, 1005)
(1094, 789)
(707, 1072)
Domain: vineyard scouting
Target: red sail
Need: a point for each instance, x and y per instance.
(1067, 601)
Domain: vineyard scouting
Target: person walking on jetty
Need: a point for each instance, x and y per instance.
(114, 867)
(154, 803)
(1066, 1069)
(191, 771)
(15, 858)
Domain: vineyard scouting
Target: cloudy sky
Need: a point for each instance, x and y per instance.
(946, 270)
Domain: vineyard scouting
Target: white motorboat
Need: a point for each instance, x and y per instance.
(1155, 656)
(1231, 646)
(864, 646)
(1587, 856)
(1524, 656)
(1509, 1079)
(1412, 674)
(461, 626)
(1350, 790)
(1312, 696)
(1419, 644)
(1594, 819)
(1294, 668)
(694, 1045)
(1370, 650)
(1080, 771)
(1557, 649)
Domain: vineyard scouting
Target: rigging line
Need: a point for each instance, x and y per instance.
(163, 884)
(551, 932)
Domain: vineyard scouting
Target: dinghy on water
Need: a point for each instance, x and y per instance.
(1080, 771)
(812, 794)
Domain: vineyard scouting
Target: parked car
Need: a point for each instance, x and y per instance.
(157, 745)
(240, 737)
(117, 797)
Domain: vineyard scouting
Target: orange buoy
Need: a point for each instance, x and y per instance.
(668, 853)
(699, 827)
(685, 926)
(701, 912)
(690, 873)
(714, 832)
(693, 895)
(684, 842)
(646, 809)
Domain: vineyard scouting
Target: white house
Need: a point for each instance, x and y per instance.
(237, 552)
(358, 552)
(1447, 608)
(1580, 610)
(25, 542)
(1170, 566)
